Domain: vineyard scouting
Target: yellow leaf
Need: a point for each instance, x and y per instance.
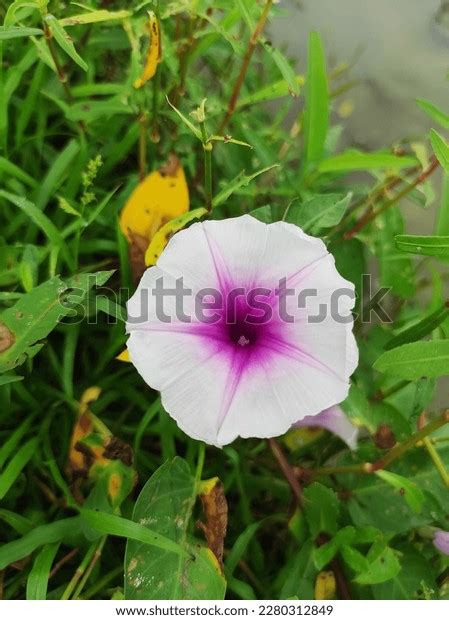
(298, 438)
(160, 197)
(96, 456)
(325, 586)
(123, 356)
(83, 427)
(89, 396)
(164, 234)
(154, 51)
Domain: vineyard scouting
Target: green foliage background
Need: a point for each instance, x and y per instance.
(72, 138)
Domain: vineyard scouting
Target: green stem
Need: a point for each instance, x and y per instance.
(90, 567)
(207, 148)
(200, 462)
(401, 448)
(79, 572)
(392, 455)
(101, 583)
(437, 461)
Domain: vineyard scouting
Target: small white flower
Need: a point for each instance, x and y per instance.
(260, 361)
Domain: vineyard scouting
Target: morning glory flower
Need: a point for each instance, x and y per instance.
(244, 327)
(335, 421)
(441, 541)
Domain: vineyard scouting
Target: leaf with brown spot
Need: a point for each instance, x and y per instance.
(7, 338)
(215, 509)
(97, 457)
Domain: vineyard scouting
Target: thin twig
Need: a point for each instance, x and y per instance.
(89, 569)
(79, 572)
(387, 459)
(371, 214)
(71, 554)
(245, 64)
(286, 469)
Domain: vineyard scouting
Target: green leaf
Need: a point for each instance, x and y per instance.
(284, 67)
(442, 222)
(325, 553)
(165, 504)
(420, 329)
(354, 559)
(441, 149)
(196, 132)
(20, 524)
(118, 526)
(32, 318)
(415, 360)
(408, 583)
(238, 550)
(94, 110)
(396, 269)
(40, 219)
(67, 207)
(59, 169)
(298, 575)
(15, 466)
(268, 213)
(383, 565)
(64, 40)
(7, 379)
(435, 113)
(246, 13)
(375, 502)
(355, 160)
(241, 180)
(267, 93)
(408, 490)
(321, 211)
(13, 32)
(41, 535)
(10, 445)
(38, 577)
(38, 312)
(316, 113)
(321, 508)
(12, 170)
(423, 245)
(93, 17)
(14, 7)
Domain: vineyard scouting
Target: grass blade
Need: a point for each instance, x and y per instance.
(39, 574)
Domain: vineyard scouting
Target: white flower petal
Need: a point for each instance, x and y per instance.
(221, 381)
(335, 421)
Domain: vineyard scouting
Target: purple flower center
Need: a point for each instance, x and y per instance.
(242, 332)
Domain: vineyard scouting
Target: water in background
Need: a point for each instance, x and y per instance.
(399, 50)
